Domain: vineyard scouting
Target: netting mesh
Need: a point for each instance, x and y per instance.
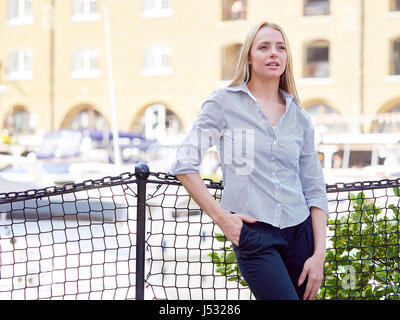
(77, 245)
(180, 241)
(363, 245)
(80, 241)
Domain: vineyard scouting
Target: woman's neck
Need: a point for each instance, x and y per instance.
(267, 91)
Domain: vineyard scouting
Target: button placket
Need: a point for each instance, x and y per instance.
(274, 151)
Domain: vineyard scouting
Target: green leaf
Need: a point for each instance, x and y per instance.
(359, 199)
(214, 257)
(221, 270)
(230, 257)
(367, 292)
(220, 237)
(382, 276)
(395, 210)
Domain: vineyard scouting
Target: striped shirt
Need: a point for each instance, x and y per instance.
(271, 173)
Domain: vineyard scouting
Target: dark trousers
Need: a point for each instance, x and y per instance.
(272, 259)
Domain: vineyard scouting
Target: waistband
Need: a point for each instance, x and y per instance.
(267, 226)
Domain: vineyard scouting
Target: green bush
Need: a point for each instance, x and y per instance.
(362, 258)
(226, 261)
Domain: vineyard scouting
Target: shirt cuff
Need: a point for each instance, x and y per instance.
(183, 167)
(320, 203)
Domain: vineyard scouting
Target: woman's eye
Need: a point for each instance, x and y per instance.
(264, 47)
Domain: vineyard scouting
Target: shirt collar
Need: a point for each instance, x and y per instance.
(243, 87)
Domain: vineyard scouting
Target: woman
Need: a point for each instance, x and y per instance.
(274, 205)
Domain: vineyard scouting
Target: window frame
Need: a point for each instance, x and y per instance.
(157, 61)
(20, 65)
(307, 12)
(156, 9)
(23, 14)
(86, 14)
(83, 61)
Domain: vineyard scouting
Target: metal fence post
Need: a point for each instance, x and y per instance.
(141, 173)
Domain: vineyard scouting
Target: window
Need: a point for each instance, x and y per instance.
(326, 117)
(234, 9)
(157, 61)
(86, 118)
(395, 5)
(387, 122)
(85, 10)
(395, 62)
(230, 57)
(20, 121)
(157, 8)
(20, 65)
(157, 122)
(85, 64)
(317, 60)
(316, 7)
(20, 12)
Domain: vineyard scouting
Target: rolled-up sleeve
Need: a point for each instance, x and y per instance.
(311, 174)
(204, 133)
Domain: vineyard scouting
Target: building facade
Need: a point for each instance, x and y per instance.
(168, 55)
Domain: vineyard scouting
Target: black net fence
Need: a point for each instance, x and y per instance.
(141, 236)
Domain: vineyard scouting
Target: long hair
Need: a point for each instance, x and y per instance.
(243, 71)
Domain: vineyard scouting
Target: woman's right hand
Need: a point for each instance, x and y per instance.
(231, 226)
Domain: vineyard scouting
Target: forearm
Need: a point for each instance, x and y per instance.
(319, 221)
(196, 188)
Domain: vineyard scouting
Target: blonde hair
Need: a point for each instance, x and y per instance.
(243, 72)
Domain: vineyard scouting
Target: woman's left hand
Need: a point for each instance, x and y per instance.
(314, 269)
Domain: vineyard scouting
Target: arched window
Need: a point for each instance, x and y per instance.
(157, 121)
(317, 60)
(230, 57)
(20, 121)
(316, 7)
(85, 118)
(387, 122)
(328, 118)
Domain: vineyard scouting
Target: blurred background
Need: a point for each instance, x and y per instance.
(88, 88)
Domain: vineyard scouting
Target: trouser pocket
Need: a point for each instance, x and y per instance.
(242, 236)
(248, 241)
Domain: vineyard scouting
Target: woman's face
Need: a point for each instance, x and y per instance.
(268, 56)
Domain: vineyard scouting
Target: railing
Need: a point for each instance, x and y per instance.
(141, 236)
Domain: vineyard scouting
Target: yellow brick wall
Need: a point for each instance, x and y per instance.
(196, 35)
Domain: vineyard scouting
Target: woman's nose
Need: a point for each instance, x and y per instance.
(273, 52)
